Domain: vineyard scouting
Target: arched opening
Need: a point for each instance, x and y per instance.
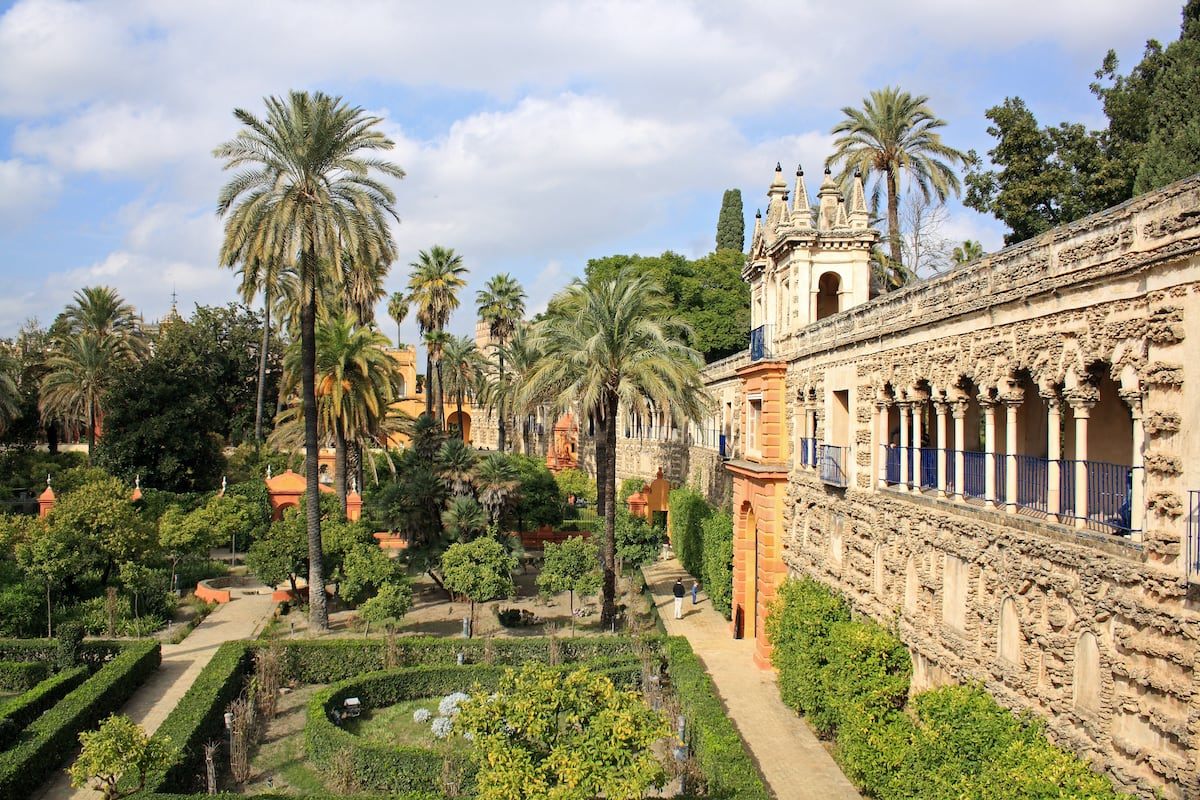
(1087, 673)
(749, 605)
(460, 424)
(1105, 457)
(402, 387)
(1009, 645)
(828, 302)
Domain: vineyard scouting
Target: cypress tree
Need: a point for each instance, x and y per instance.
(731, 224)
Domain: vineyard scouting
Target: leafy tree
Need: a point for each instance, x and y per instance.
(638, 542)
(119, 747)
(308, 185)
(573, 567)
(612, 344)
(48, 554)
(1173, 141)
(543, 735)
(365, 570)
(539, 499)
(501, 304)
(894, 135)
(29, 351)
(575, 483)
(390, 603)
(480, 570)
(180, 537)
(731, 223)
(282, 554)
(103, 523)
(140, 581)
(263, 275)
(433, 289)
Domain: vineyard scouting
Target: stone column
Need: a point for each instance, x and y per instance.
(1012, 402)
(905, 419)
(880, 444)
(960, 442)
(989, 448)
(939, 409)
(1053, 455)
(1137, 489)
(1081, 409)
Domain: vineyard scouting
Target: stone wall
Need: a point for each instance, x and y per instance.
(699, 467)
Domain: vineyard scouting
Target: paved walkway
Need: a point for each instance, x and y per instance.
(181, 663)
(789, 755)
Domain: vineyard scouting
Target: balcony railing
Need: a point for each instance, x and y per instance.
(762, 343)
(808, 452)
(831, 464)
(1192, 567)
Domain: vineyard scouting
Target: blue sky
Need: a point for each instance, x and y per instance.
(535, 135)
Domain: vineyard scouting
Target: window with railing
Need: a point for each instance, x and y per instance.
(831, 464)
(761, 344)
(808, 452)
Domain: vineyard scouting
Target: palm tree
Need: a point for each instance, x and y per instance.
(10, 393)
(100, 312)
(501, 305)
(80, 371)
(464, 518)
(967, 252)
(305, 193)
(433, 289)
(895, 132)
(520, 358)
(398, 310)
(456, 464)
(436, 341)
(611, 344)
(496, 483)
(463, 372)
(266, 276)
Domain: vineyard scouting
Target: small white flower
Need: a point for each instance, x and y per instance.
(448, 707)
(470, 737)
(442, 726)
(422, 715)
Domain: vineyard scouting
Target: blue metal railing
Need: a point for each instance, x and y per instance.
(951, 473)
(891, 460)
(761, 344)
(929, 467)
(1110, 495)
(831, 463)
(808, 452)
(1001, 460)
(974, 474)
(1033, 480)
(1192, 567)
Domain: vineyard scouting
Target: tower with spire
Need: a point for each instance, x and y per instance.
(808, 262)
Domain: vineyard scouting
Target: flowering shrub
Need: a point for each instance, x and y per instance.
(442, 727)
(448, 707)
(422, 715)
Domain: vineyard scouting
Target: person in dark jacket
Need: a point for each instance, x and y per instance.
(679, 592)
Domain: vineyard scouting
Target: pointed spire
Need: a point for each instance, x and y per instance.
(840, 221)
(858, 217)
(828, 198)
(801, 210)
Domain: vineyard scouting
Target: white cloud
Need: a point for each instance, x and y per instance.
(25, 190)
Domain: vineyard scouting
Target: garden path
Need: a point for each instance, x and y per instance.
(181, 663)
(793, 761)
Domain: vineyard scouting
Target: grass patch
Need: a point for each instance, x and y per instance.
(394, 725)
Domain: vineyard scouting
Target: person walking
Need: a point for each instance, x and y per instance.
(678, 591)
(695, 591)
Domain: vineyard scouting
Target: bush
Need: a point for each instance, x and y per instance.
(638, 542)
(629, 487)
(199, 716)
(47, 742)
(23, 709)
(517, 617)
(727, 768)
(689, 509)
(798, 627)
(868, 671)
(717, 534)
(21, 676)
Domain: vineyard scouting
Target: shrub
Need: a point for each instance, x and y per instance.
(638, 542)
(868, 671)
(629, 487)
(23, 709)
(48, 741)
(728, 769)
(517, 617)
(689, 509)
(21, 676)
(717, 578)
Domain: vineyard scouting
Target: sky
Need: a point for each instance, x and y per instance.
(534, 135)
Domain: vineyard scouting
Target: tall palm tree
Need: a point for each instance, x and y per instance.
(463, 372)
(398, 310)
(895, 132)
(80, 370)
(611, 344)
(100, 312)
(10, 393)
(306, 192)
(456, 464)
(520, 358)
(496, 484)
(436, 341)
(967, 252)
(464, 518)
(501, 305)
(265, 276)
(433, 289)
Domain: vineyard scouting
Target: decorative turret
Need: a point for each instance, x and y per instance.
(858, 217)
(828, 197)
(801, 210)
(777, 210)
(46, 499)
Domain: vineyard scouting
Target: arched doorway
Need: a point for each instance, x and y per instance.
(750, 599)
(463, 423)
(828, 287)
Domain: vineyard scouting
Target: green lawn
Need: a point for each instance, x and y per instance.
(394, 725)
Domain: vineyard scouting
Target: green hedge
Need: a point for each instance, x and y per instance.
(19, 711)
(272, 796)
(717, 578)
(47, 742)
(199, 716)
(851, 678)
(727, 768)
(95, 652)
(21, 676)
(689, 509)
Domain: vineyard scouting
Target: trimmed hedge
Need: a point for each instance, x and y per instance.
(94, 653)
(48, 741)
(273, 796)
(689, 510)
(717, 532)
(728, 770)
(21, 710)
(21, 676)
(200, 716)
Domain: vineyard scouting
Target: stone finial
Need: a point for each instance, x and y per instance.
(828, 197)
(858, 217)
(801, 210)
(269, 476)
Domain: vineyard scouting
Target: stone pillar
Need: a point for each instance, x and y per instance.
(939, 409)
(989, 449)
(960, 442)
(905, 419)
(918, 419)
(1012, 402)
(1137, 489)
(1053, 455)
(880, 444)
(1081, 409)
